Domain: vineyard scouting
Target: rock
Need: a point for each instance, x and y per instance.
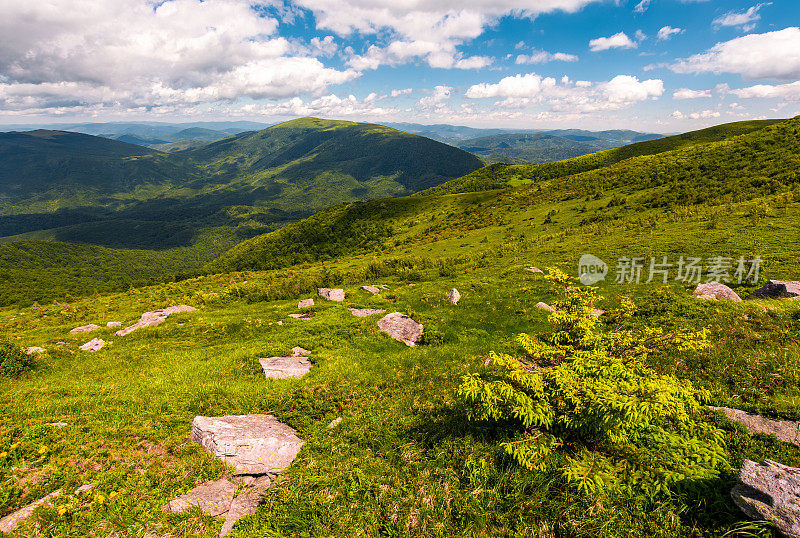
(770, 491)
(85, 329)
(113, 324)
(777, 289)
(705, 296)
(372, 289)
(252, 444)
(331, 294)
(35, 349)
(364, 312)
(785, 430)
(545, 306)
(597, 312)
(84, 488)
(534, 269)
(280, 323)
(94, 345)
(454, 296)
(12, 521)
(304, 315)
(300, 351)
(61, 343)
(401, 327)
(57, 424)
(246, 503)
(718, 290)
(284, 367)
(156, 317)
(305, 303)
(213, 498)
(383, 287)
(335, 422)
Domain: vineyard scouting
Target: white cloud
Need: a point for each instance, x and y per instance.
(773, 55)
(540, 57)
(323, 47)
(405, 91)
(437, 100)
(685, 93)
(787, 92)
(642, 6)
(640, 36)
(438, 55)
(616, 41)
(130, 53)
(746, 20)
(703, 115)
(330, 106)
(521, 91)
(667, 32)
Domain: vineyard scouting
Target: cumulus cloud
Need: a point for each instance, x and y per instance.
(616, 41)
(405, 91)
(746, 20)
(428, 30)
(642, 6)
(685, 93)
(540, 57)
(130, 53)
(774, 55)
(330, 106)
(702, 115)
(437, 99)
(667, 32)
(520, 91)
(787, 92)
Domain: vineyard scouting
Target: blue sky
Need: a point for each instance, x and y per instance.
(658, 65)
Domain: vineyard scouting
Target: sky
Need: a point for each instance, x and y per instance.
(651, 65)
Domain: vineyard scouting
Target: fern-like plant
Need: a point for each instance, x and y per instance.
(585, 391)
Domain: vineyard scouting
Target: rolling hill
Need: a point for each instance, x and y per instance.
(533, 147)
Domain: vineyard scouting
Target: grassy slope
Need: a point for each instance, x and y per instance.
(404, 461)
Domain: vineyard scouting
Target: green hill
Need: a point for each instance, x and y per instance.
(533, 148)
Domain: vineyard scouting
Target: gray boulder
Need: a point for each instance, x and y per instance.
(770, 491)
(85, 329)
(364, 312)
(402, 328)
(156, 317)
(285, 367)
(95, 344)
(777, 289)
(786, 430)
(252, 444)
(372, 289)
(305, 303)
(545, 306)
(454, 296)
(715, 290)
(331, 294)
(213, 498)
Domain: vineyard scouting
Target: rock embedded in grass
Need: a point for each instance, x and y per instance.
(785, 430)
(295, 366)
(35, 349)
(534, 269)
(717, 291)
(770, 491)
(213, 498)
(85, 329)
(305, 303)
(297, 350)
(156, 317)
(251, 444)
(112, 324)
(454, 296)
(12, 521)
(402, 328)
(304, 315)
(331, 294)
(364, 312)
(95, 344)
(245, 503)
(777, 289)
(545, 306)
(372, 289)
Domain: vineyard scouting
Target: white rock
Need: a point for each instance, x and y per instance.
(305, 303)
(113, 324)
(284, 367)
(401, 327)
(12, 521)
(297, 350)
(534, 269)
(454, 296)
(364, 312)
(372, 289)
(35, 349)
(85, 329)
(331, 294)
(335, 422)
(717, 290)
(545, 306)
(94, 345)
(213, 498)
(156, 317)
(304, 315)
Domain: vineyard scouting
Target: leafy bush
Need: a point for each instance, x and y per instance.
(13, 361)
(584, 395)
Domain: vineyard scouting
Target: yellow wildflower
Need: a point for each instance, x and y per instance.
(62, 510)
(3, 454)
(42, 449)
(112, 494)
(100, 499)
(15, 445)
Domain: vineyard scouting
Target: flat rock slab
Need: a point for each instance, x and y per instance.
(770, 491)
(300, 316)
(777, 289)
(95, 344)
(85, 329)
(156, 317)
(297, 350)
(113, 324)
(364, 312)
(245, 503)
(534, 270)
(716, 290)
(545, 306)
(213, 498)
(372, 289)
(35, 349)
(285, 367)
(305, 303)
(13, 520)
(401, 327)
(252, 444)
(331, 294)
(785, 430)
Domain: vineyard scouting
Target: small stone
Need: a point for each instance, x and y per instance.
(57, 424)
(545, 306)
(534, 269)
(156, 317)
(597, 312)
(305, 303)
(402, 328)
(304, 315)
(454, 296)
(94, 345)
(280, 323)
(770, 491)
(364, 312)
(61, 343)
(335, 422)
(252, 444)
(372, 289)
(718, 290)
(113, 324)
(9, 523)
(85, 329)
(331, 294)
(300, 351)
(284, 367)
(83, 489)
(213, 498)
(35, 349)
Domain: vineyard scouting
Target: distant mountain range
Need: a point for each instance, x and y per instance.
(77, 187)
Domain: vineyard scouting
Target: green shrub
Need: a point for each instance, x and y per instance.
(585, 396)
(13, 361)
